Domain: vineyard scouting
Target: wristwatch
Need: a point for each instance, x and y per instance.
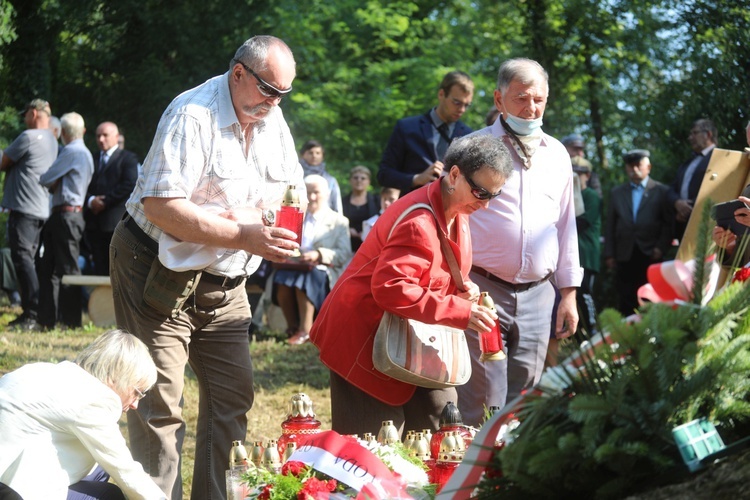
(268, 217)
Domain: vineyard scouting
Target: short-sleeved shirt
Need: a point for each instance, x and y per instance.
(198, 154)
(32, 153)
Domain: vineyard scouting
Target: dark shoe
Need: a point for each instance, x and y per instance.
(31, 325)
(18, 320)
(299, 338)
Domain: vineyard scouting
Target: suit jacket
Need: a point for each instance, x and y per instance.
(115, 181)
(410, 151)
(406, 274)
(695, 180)
(331, 239)
(652, 227)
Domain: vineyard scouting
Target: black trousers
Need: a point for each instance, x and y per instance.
(99, 245)
(630, 276)
(62, 238)
(24, 232)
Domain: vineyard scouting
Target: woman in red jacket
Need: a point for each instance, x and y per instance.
(408, 275)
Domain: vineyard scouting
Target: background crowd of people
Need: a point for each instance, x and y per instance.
(63, 204)
(517, 209)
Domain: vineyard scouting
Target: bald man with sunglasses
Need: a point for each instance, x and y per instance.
(198, 223)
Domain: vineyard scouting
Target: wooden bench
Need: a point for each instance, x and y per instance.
(102, 308)
(101, 305)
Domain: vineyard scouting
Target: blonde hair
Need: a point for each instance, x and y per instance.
(120, 360)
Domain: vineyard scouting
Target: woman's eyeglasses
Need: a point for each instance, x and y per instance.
(479, 192)
(265, 88)
(138, 394)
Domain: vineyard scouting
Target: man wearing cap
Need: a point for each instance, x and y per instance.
(414, 154)
(24, 161)
(684, 189)
(638, 228)
(576, 147)
(67, 180)
(525, 238)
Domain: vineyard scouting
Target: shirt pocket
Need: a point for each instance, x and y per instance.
(230, 179)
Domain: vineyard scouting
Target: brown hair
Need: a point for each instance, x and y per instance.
(459, 78)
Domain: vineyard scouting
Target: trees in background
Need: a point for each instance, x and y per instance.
(624, 73)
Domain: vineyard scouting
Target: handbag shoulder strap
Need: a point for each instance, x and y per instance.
(447, 250)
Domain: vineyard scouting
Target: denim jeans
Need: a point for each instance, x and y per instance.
(95, 486)
(24, 232)
(210, 334)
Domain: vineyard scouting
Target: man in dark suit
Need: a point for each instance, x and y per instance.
(115, 173)
(639, 228)
(684, 189)
(414, 154)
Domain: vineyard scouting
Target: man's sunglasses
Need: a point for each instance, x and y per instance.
(265, 88)
(479, 192)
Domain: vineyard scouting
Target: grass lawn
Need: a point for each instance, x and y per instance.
(280, 372)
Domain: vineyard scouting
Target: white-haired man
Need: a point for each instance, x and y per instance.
(67, 180)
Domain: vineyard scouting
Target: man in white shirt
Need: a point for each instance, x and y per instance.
(224, 144)
(684, 189)
(525, 238)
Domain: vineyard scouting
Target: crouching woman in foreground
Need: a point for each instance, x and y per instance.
(60, 436)
(403, 270)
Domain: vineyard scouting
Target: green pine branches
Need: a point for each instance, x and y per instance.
(610, 431)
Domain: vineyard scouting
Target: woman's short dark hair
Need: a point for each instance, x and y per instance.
(472, 152)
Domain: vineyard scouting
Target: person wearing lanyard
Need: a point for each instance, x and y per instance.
(525, 238)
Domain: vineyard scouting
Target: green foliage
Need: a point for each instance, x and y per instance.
(609, 432)
(627, 73)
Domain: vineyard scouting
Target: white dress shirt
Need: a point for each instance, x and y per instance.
(529, 231)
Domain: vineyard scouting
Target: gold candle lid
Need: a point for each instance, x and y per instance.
(291, 447)
(486, 301)
(291, 197)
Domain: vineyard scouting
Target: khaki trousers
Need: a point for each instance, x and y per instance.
(210, 334)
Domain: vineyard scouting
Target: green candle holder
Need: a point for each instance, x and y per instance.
(696, 440)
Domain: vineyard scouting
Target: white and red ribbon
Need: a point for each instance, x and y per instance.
(671, 282)
(345, 460)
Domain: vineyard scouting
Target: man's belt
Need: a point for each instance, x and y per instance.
(516, 287)
(132, 226)
(66, 208)
(223, 281)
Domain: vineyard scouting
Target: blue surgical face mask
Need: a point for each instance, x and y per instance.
(521, 126)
